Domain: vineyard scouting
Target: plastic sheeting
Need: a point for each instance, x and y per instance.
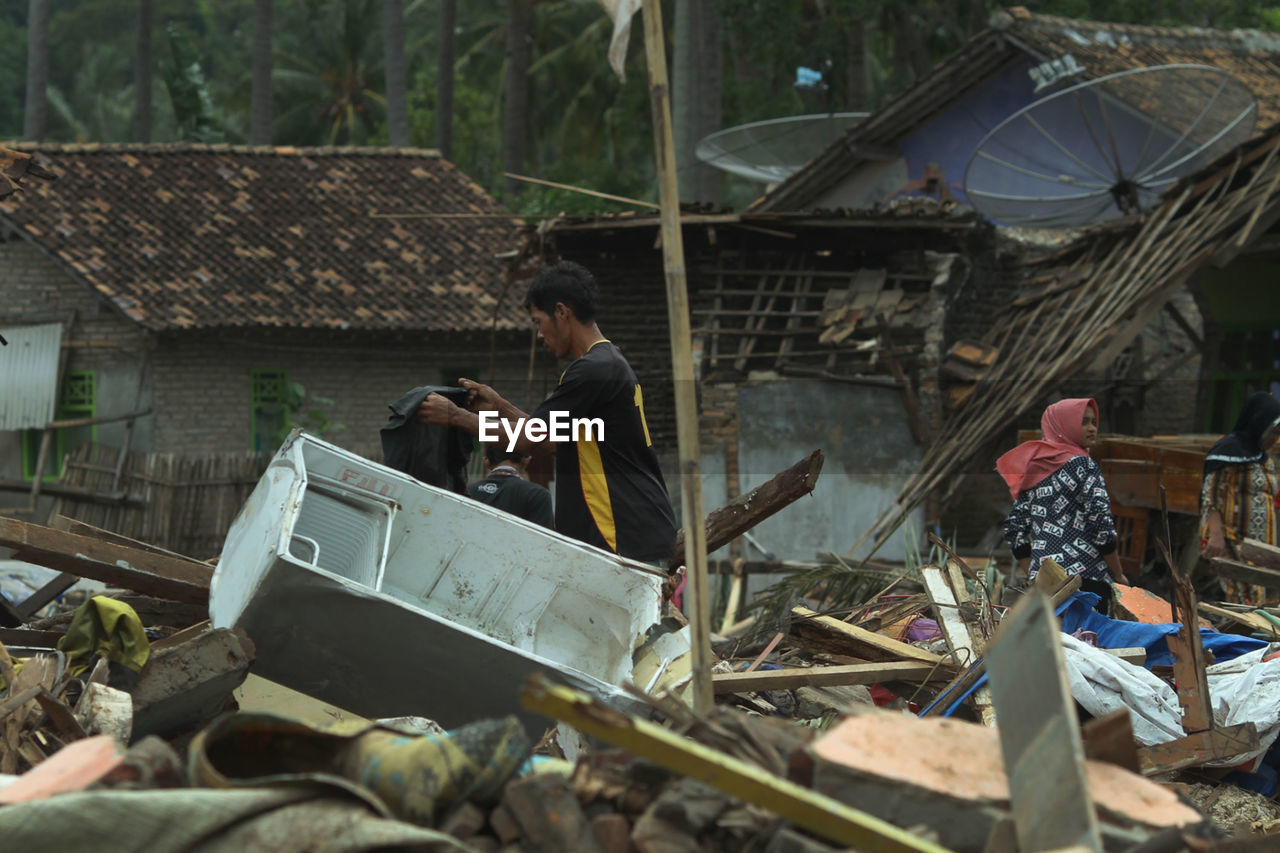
(1103, 683)
(1244, 690)
(1078, 613)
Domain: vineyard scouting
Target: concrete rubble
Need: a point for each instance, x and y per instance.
(925, 718)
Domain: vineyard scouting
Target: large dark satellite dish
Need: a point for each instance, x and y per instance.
(1107, 147)
(773, 150)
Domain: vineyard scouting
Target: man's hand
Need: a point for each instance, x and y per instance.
(480, 398)
(436, 409)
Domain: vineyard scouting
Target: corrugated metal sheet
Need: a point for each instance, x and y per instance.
(29, 376)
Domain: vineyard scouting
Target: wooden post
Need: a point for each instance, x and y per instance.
(1039, 733)
(695, 543)
(38, 479)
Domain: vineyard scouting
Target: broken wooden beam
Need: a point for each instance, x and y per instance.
(1039, 732)
(1254, 621)
(826, 676)
(80, 528)
(120, 565)
(823, 633)
(1259, 553)
(746, 511)
(808, 809)
(1238, 571)
(965, 648)
(1109, 738)
(1199, 748)
(967, 678)
(26, 638)
(1188, 657)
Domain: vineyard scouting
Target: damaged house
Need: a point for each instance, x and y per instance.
(811, 330)
(198, 301)
(867, 293)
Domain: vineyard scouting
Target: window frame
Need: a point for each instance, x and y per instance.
(73, 402)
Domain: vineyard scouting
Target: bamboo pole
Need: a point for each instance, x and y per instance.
(695, 543)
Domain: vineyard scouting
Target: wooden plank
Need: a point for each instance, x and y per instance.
(1238, 571)
(812, 630)
(976, 353)
(140, 571)
(1260, 554)
(1188, 660)
(808, 809)
(1135, 655)
(46, 594)
(1110, 738)
(1039, 732)
(827, 676)
(1255, 622)
(28, 638)
(1199, 748)
(966, 679)
(946, 610)
(80, 528)
(746, 511)
(63, 490)
(736, 586)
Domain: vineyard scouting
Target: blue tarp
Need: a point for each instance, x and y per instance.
(1078, 613)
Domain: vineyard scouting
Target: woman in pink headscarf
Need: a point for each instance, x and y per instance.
(1061, 508)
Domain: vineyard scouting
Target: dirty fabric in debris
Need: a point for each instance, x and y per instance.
(414, 778)
(1103, 683)
(108, 628)
(435, 455)
(283, 819)
(1118, 634)
(1244, 690)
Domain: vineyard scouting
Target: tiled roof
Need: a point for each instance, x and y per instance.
(1101, 48)
(190, 236)
(14, 166)
(1251, 56)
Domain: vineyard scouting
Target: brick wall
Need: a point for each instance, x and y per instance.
(35, 290)
(203, 391)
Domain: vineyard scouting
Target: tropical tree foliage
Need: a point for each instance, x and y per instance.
(581, 125)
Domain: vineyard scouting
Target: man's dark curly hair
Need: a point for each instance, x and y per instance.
(565, 282)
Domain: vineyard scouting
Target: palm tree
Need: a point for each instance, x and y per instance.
(83, 109)
(515, 113)
(696, 94)
(37, 69)
(444, 78)
(396, 73)
(142, 74)
(330, 78)
(260, 99)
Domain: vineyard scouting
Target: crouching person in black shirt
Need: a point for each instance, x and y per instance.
(609, 488)
(507, 489)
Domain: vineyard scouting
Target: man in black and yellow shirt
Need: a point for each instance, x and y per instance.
(609, 489)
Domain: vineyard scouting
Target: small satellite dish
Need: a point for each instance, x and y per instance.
(772, 151)
(1107, 147)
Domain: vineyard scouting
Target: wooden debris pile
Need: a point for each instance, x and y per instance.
(840, 729)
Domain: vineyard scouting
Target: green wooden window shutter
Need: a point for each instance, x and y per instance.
(78, 399)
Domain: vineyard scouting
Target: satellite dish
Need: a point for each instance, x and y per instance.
(772, 151)
(1107, 147)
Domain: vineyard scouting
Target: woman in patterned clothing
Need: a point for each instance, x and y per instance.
(1061, 507)
(1238, 496)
